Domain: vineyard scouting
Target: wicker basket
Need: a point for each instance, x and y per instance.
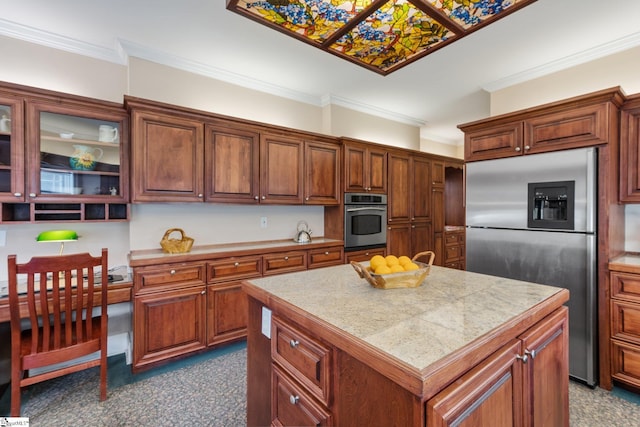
(407, 279)
(176, 246)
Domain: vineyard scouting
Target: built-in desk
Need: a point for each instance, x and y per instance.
(117, 292)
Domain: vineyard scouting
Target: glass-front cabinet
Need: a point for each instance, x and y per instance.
(77, 153)
(11, 150)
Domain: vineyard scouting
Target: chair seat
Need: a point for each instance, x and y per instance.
(35, 359)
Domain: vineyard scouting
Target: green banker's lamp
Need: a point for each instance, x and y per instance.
(58, 236)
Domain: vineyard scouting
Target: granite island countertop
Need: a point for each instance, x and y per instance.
(451, 310)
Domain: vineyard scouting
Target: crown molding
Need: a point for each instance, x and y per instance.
(330, 99)
(45, 38)
(591, 54)
(124, 49)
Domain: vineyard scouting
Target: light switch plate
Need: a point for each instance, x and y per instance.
(266, 322)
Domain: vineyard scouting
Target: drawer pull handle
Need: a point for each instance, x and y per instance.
(326, 253)
(531, 353)
(294, 343)
(172, 272)
(286, 258)
(294, 399)
(236, 264)
(524, 358)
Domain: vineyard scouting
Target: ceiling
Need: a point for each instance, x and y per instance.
(437, 92)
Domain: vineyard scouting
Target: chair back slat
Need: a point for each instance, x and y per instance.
(64, 317)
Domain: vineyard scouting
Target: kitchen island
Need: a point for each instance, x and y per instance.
(326, 348)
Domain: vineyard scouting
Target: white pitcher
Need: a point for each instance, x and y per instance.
(107, 133)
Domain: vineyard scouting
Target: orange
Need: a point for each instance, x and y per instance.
(411, 266)
(391, 260)
(404, 260)
(382, 269)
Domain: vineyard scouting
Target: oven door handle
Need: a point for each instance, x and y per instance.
(365, 209)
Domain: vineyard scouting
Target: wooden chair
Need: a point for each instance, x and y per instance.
(60, 327)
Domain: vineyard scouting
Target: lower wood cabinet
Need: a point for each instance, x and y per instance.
(183, 307)
(168, 324)
(454, 249)
(625, 328)
(525, 378)
(363, 254)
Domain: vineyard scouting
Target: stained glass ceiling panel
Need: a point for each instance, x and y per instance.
(381, 35)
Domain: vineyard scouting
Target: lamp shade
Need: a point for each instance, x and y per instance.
(57, 236)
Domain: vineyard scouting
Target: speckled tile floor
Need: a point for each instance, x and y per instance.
(166, 397)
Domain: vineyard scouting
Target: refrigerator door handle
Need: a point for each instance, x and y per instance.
(592, 175)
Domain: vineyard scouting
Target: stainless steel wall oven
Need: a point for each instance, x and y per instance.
(365, 220)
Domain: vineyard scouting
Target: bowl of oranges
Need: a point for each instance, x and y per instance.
(392, 271)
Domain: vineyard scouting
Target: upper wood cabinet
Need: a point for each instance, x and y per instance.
(12, 164)
(62, 157)
(182, 155)
(577, 122)
(233, 159)
(167, 157)
(322, 173)
(365, 168)
(281, 169)
(629, 150)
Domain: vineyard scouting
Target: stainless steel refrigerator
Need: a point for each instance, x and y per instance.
(533, 218)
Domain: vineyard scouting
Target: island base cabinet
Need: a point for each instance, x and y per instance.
(526, 383)
(489, 395)
(168, 324)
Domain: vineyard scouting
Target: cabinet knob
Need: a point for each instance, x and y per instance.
(286, 258)
(526, 147)
(235, 264)
(517, 148)
(172, 272)
(294, 399)
(326, 252)
(306, 198)
(531, 353)
(413, 226)
(263, 197)
(524, 357)
(200, 196)
(294, 343)
(202, 292)
(257, 198)
(17, 194)
(32, 194)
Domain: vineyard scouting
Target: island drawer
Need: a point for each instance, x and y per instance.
(306, 359)
(625, 286)
(326, 257)
(284, 262)
(169, 275)
(234, 268)
(292, 406)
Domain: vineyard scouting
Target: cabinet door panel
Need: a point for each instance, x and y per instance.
(291, 406)
(355, 168)
(167, 158)
(421, 238)
(546, 391)
(630, 153)
(399, 180)
(168, 324)
(421, 194)
(281, 170)
(500, 141)
(488, 396)
(377, 171)
(12, 158)
(227, 312)
(399, 239)
(232, 172)
(322, 174)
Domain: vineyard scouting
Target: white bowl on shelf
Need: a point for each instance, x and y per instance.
(66, 135)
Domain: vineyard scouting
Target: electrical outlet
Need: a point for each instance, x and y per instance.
(263, 222)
